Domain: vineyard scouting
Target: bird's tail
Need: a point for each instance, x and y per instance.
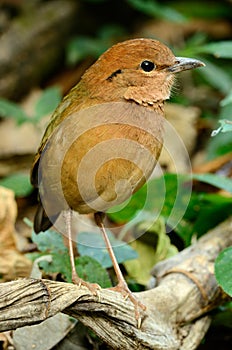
(41, 220)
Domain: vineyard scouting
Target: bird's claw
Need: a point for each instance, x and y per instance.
(92, 287)
(126, 293)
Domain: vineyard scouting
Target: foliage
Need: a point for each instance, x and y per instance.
(218, 75)
(222, 182)
(226, 126)
(214, 72)
(223, 316)
(223, 268)
(202, 9)
(92, 244)
(222, 143)
(50, 242)
(221, 49)
(199, 212)
(152, 245)
(91, 263)
(157, 9)
(19, 183)
(46, 104)
(81, 47)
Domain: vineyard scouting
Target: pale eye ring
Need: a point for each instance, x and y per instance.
(147, 66)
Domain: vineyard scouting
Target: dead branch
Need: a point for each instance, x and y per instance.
(176, 315)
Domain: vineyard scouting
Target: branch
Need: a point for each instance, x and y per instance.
(176, 315)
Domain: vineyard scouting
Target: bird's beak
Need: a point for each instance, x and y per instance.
(184, 63)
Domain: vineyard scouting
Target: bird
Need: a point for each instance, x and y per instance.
(104, 139)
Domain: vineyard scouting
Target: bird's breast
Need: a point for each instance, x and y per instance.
(99, 156)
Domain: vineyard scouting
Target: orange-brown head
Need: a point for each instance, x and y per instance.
(139, 70)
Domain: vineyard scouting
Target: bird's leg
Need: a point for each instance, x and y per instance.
(122, 286)
(68, 218)
(75, 278)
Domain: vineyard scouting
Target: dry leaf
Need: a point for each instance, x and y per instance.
(18, 139)
(12, 263)
(8, 212)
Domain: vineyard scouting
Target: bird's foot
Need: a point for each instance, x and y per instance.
(122, 288)
(92, 287)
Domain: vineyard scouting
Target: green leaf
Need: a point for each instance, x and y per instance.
(221, 49)
(19, 183)
(48, 101)
(46, 104)
(90, 270)
(28, 222)
(108, 32)
(226, 126)
(152, 246)
(185, 228)
(92, 245)
(185, 211)
(223, 317)
(216, 76)
(223, 270)
(83, 46)
(222, 182)
(200, 9)
(12, 110)
(49, 241)
(155, 9)
(226, 112)
(227, 100)
(167, 196)
(60, 263)
(219, 145)
(204, 212)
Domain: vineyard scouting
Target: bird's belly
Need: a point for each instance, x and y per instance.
(106, 166)
(101, 166)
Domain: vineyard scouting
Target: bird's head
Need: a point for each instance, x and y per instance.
(140, 70)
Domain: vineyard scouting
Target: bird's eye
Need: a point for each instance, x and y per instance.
(147, 66)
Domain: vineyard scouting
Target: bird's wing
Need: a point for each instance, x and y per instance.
(66, 107)
(73, 102)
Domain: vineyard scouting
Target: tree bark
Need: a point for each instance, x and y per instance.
(177, 308)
